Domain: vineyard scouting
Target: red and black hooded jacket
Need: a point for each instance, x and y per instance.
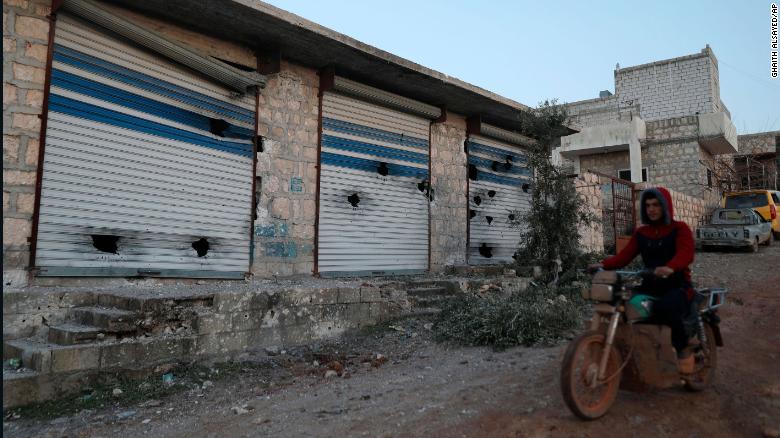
(668, 243)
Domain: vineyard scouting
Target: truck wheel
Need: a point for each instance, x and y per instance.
(754, 246)
(770, 240)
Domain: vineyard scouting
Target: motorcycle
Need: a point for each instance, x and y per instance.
(623, 349)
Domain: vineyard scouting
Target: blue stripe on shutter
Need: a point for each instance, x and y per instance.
(127, 99)
(488, 164)
(82, 110)
(503, 180)
(373, 133)
(142, 81)
(371, 149)
(371, 166)
(500, 154)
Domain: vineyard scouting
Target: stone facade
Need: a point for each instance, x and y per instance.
(25, 45)
(287, 173)
(608, 163)
(656, 91)
(672, 156)
(599, 111)
(759, 143)
(671, 88)
(449, 207)
(591, 234)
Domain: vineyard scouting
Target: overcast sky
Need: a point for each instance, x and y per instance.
(533, 50)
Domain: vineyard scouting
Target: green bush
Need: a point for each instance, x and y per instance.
(538, 315)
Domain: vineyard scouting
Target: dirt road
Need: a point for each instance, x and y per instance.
(428, 389)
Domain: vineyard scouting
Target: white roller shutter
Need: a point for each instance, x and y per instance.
(498, 172)
(146, 162)
(386, 231)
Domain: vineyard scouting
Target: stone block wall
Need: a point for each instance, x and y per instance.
(758, 143)
(591, 234)
(600, 111)
(608, 163)
(287, 173)
(671, 88)
(449, 207)
(25, 47)
(673, 157)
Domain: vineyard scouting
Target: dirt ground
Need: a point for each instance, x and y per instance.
(420, 388)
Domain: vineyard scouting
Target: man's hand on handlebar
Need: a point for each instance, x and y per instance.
(663, 271)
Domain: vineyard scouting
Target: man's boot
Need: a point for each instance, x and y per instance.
(685, 362)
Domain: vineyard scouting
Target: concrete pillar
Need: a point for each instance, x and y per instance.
(638, 132)
(635, 154)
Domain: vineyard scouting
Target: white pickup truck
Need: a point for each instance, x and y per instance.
(735, 227)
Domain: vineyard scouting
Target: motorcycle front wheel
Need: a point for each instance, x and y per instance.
(584, 394)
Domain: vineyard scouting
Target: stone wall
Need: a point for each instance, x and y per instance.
(591, 234)
(600, 111)
(449, 207)
(287, 173)
(25, 47)
(608, 163)
(671, 88)
(761, 142)
(673, 157)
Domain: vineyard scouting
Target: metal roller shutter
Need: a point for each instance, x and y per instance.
(372, 223)
(495, 194)
(148, 166)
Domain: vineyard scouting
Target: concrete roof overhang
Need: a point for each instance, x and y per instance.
(264, 27)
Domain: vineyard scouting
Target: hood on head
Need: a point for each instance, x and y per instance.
(664, 197)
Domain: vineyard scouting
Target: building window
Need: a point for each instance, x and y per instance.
(709, 178)
(626, 174)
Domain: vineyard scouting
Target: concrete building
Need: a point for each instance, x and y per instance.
(151, 148)
(144, 141)
(664, 125)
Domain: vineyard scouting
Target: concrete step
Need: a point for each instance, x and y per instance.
(108, 319)
(20, 387)
(72, 333)
(34, 354)
(427, 292)
(154, 304)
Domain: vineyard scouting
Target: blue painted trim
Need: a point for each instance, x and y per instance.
(82, 110)
(127, 99)
(503, 180)
(371, 149)
(110, 70)
(373, 133)
(371, 165)
(488, 164)
(517, 157)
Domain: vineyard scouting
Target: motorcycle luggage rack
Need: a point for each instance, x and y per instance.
(715, 296)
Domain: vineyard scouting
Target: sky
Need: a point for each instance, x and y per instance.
(530, 51)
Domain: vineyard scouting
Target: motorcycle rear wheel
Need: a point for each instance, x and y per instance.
(706, 363)
(586, 399)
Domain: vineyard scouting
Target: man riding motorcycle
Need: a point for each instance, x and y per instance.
(667, 247)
